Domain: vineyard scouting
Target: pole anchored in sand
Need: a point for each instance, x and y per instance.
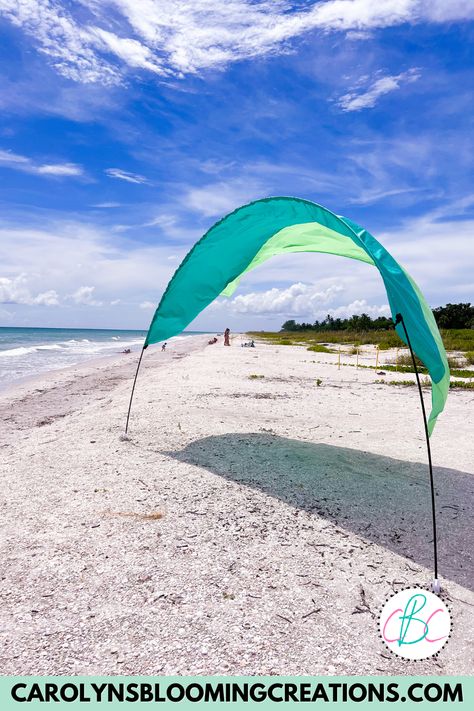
(435, 584)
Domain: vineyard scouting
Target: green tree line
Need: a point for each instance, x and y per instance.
(449, 316)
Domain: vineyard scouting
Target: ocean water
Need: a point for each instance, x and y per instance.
(27, 352)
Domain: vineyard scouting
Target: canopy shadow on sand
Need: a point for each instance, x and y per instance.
(385, 500)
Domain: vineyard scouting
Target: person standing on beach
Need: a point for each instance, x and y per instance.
(226, 337)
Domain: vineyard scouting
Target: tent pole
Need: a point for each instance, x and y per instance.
(125, 436)
(435, 584)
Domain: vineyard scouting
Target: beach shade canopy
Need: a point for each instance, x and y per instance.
(262, 229)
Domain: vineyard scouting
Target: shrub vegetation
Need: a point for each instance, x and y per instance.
(455, 321)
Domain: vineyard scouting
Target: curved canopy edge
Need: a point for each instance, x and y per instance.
(259, 230)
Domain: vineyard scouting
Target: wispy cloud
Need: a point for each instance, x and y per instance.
(357, 99)
(125, 175)
(441, 237)
(367, 197)
(172, 226)
(86, 266)
(106, 205)
(218, 198)
(443, 11)
(14, 160)
(61, 38)
(27, 165)
(169, 38)
(130, 51)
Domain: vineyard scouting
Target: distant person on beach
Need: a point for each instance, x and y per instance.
(163, 347)
(126, 350)
(212, 341)
(226, 337)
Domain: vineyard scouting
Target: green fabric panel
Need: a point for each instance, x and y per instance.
(309, 237)
(313, 237)
(224, 252)
(405, 297)
(439, 390)
(439, 395)
(230, 247)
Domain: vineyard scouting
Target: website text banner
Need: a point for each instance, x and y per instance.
(117, 692)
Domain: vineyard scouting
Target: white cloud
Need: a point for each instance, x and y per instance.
(106, 205)
(360, 306)
(61, 169)
(125, 175)
(169, 37)
(147, 305)
(435, 249)
(302, 301)
(85, 295)
(16, 291)
(48, 298)
(356, 100)
(27, 165)
(80, 255)
(296, 300)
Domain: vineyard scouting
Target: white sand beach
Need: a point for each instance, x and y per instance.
(252, 525)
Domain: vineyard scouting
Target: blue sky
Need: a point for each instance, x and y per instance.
(127, 127)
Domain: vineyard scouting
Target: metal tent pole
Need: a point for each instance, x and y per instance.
(125, 435)
(435, 584)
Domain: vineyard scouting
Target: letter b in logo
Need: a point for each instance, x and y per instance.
(415, 623)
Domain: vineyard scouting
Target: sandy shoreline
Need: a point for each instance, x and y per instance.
(56, 393)
(287, 508)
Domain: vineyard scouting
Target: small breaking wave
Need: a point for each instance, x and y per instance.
(29, 352)
(12, 352)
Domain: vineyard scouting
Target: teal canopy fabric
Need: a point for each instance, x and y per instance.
(255, 232)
